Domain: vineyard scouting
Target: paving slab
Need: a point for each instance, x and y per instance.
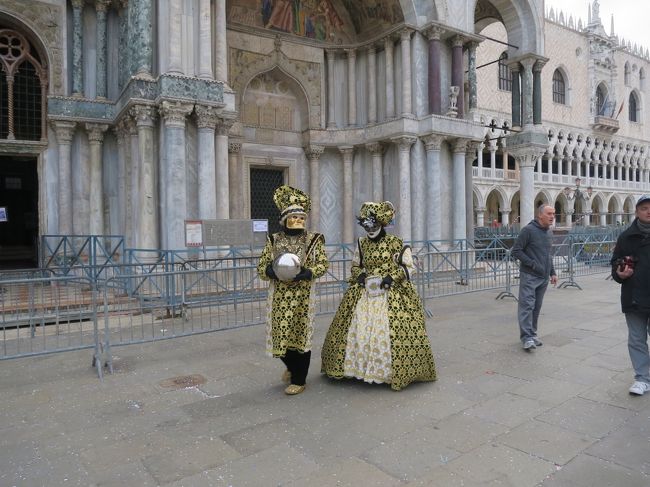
(209, 410)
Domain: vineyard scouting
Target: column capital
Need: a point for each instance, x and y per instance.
(404, 142)
(405, 34)
(433, 142)
(459, 145)
(174, 113)
(527, 157)
(375, 148)
(313, 152)
(352, 52)
(371, 48)
(471, 148)
(96, 132)
(77, 3)
(234, 147)
(143, 115)
(102, 5)
(434, 32)
(457, 41)
(528, 62)
(389, 42)
(64, 130)
(539, 64)
(206, 116)
(347, 151)
(331, 54)
(224, 124)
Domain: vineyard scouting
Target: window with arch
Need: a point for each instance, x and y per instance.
(559, 87)
(633, 108)
(23, 89)
(626, 74)
(505, 77)
(601, 100)
(642, 79)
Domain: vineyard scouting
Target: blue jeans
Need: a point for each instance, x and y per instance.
(531, 296)
(638, 326)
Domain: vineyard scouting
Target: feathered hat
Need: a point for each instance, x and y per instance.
(383, 212)
(291, 201)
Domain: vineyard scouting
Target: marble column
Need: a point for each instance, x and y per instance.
(537, 92)
(586, 217)
(205, 40)
(459, 223)
(101, 6)
(470, 155)
(432, 144)
(568, 218)
(479, 158)
(403, 211)
(123, 51)
(407, 105)
(144, 51)
(390, 77)
(96, 201)
(457, 78)
(527, 158)
(331, 103)
(206, 123)
(516, 95)
(221, 44)
(313, 153)
(64, 133)
(480, 216)
(175, 178)
(505, 217)
(434, 34)
(123, 181)
(348, 212)
(493, 158)
(471, 77)
(174, 39)
(352, 87)
(372, 84)
(146, 231)
(527, 91)
(235, 175)
(377, 151)
(223, 180)
(132, 152)
(77, 49)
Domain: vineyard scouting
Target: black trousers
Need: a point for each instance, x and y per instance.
(298, 365)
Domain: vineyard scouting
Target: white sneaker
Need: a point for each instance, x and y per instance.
(639, 388)
(529, 345)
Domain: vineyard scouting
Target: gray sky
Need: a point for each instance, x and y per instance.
(630, 16)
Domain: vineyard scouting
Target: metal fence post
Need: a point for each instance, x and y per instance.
(507, 293)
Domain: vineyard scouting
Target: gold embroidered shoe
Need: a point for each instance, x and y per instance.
(286, 377)
(293, 389)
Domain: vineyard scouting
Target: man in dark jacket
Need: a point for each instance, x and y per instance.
(631, 268)
(533, 249)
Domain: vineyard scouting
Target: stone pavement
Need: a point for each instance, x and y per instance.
(558, 417)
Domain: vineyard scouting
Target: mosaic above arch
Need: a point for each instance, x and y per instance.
(336, 21)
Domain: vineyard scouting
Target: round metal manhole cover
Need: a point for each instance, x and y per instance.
(183, 381)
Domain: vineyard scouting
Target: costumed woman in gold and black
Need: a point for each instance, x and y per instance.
(378, 333)
(290, 307)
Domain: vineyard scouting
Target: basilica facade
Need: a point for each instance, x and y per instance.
(130, 117)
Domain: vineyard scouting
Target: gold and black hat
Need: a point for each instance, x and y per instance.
(291, 201)
(383, 212)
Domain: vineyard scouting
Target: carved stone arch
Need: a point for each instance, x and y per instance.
(307, 75)
(504, 200)
(417, 12)
(33, 20)
(616, 200)
(598, 202)
(478, 196)
(548, 199)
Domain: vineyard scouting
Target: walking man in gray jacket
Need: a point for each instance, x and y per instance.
(533, 249)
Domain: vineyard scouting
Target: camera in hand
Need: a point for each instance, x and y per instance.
(627, 261)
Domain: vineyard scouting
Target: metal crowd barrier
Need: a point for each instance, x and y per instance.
(43, 315)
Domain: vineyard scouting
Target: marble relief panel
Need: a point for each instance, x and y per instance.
(331, 198)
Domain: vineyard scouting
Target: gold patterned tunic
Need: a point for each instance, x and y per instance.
(290, 305)
(355, 344)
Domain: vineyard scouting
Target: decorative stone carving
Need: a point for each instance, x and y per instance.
(143, 115)
(313, 152)
(453, 101)
(375, 148)
(64, 131)
(174, 113)
(234, 147)
(38, 16)
(433, 142)
(96, 132)
(206, 116)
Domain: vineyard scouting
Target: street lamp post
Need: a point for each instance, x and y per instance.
(575, 194)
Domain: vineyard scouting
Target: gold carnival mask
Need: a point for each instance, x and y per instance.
(296, 221)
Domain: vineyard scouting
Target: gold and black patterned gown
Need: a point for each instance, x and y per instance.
(290, 305)
(380, 338)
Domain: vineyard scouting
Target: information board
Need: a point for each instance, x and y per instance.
(217, 233)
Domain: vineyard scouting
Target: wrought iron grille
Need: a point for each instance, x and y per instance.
(263, 184)
(27, 103)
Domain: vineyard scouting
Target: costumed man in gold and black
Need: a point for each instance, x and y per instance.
(378, 333)
(290, 307)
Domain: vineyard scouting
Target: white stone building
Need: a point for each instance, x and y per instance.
(128, 117)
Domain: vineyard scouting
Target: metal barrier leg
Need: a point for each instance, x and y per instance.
(507, 293)
(571, 281)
